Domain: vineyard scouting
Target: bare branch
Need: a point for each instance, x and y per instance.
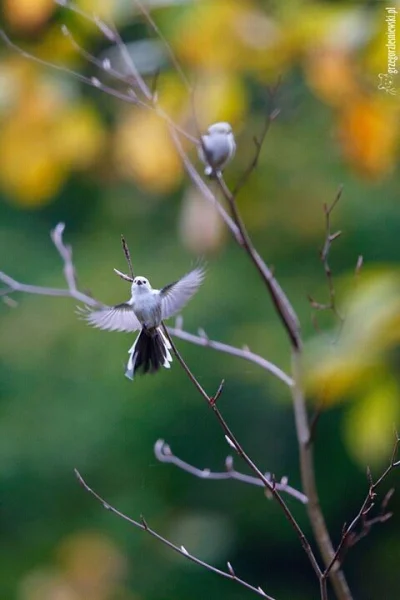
(203, 340)
(69, 274)
(282, 305)
(164, 454)
(111, 32)
(330, 237)
(272, 114)
(349, 536)
(316, 516)
(161, 36)
(127, 256)
(143, 525)
(233, 442)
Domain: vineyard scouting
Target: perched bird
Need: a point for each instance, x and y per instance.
(145, 311)
(218, 147)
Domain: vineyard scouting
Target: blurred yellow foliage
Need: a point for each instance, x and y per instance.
(91, 561)
(220, 97)
(91, 568)
(369, 423)
(311, 27)
(28, 15)
(144, 152)
(339, 48)
(331, 74)
(369, 132)
(228, 35)
(339, 364)
(43, 136)
(353, 365)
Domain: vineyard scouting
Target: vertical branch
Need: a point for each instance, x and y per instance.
(315, 514)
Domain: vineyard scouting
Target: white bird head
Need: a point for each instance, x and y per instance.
(220, 128)
(140, 284)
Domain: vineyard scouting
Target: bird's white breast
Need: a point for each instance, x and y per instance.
(147, 307)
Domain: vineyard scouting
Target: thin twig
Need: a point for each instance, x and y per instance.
(175, 62)
(164, 454)
(143, 525)
(203, 340)
(127, 256)
(330, 237)
(69, 274)
(259, 141)
(349, 538)
(113, 35)
(233, 442)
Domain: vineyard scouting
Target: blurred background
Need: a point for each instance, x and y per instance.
(71, 153)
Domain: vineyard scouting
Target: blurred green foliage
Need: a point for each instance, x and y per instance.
(71, 154)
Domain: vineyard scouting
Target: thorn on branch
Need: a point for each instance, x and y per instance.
(335, 236)
(229, 441)
(144, 523)
(214, 398)
(229, 463)
(261, 591)
(230, 569)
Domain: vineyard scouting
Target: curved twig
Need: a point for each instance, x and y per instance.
(163, 453)
(143, 525)
(203, 340)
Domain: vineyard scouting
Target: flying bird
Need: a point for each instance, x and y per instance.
(145, 311)
(218, 147)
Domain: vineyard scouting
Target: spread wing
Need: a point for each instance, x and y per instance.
(175, 295)
(113, 318)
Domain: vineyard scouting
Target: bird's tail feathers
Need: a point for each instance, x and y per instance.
(149, 353)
